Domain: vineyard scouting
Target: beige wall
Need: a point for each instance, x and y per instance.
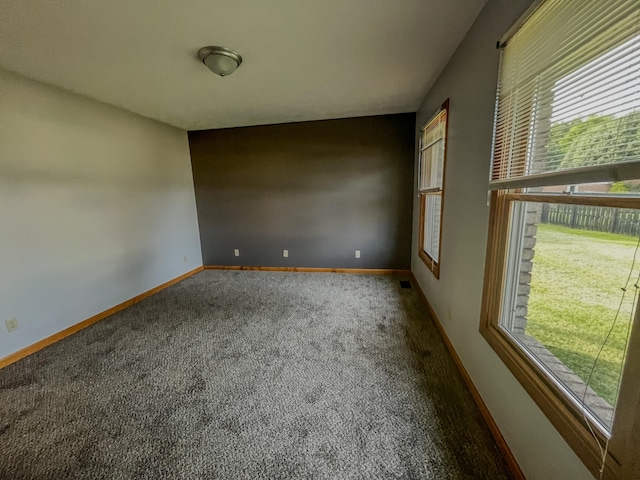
(469, 80)
(96, 207)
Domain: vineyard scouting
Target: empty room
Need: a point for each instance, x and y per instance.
(339, 239)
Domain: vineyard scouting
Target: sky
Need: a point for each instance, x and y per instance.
(608, 85)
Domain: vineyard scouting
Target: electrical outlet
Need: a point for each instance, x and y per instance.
(285, 253)
(12, 324)
(357, 253)
(236, 252)
(184, 259)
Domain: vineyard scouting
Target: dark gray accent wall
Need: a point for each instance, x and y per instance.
(319, 189)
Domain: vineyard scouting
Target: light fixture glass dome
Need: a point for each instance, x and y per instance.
(220, 60)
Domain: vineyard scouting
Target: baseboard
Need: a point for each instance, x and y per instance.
(381, 271)
(509, 459)
(20, 354)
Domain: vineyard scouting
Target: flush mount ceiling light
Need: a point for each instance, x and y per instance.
(220, 60)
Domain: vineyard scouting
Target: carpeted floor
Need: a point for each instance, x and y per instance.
(236, 375)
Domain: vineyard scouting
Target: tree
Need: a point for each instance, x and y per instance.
(595, 140)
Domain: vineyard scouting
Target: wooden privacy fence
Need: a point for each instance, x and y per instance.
(625, 221)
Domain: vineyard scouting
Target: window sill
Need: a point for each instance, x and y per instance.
(430, 263)
(547, 395)
(567, 377)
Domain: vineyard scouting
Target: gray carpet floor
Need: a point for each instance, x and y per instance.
(237, 375)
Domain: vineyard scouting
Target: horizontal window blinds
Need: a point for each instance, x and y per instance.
(568, 104)
(432, 153)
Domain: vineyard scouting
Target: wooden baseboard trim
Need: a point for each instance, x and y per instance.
(20, 354)
(376, 271)
(509, 459)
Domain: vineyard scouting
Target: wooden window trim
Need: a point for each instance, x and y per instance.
(511, 150)
(568, 419)
(433, 264)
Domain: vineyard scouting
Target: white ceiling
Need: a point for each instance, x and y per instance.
(303, 59)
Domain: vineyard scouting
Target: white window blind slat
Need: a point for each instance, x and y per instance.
(569, 92)
(561, 28)
(432, 153)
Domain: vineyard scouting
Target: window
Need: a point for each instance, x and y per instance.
(562, 278)
(433, 150)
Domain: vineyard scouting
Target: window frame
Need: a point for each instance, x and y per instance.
(585, 438)
(559, 408)
(433, 264)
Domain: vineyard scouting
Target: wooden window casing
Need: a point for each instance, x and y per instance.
(569, 419)
(435, 193)
(608, 454)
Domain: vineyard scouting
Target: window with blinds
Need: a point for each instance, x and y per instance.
(432, 153)
(568, 106)
(431, 166)
(562, 278)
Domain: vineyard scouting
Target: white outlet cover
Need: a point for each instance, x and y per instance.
(357, 253)
(236, 252)
(285, 253)
(12, 324)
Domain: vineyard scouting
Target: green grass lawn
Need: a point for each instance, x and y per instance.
(575, 293)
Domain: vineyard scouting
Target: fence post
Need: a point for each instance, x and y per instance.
(544, 216)
(614, 220)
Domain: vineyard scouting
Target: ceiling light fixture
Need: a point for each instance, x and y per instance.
(220, 60)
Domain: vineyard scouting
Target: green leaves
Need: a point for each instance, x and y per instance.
(595, 140)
